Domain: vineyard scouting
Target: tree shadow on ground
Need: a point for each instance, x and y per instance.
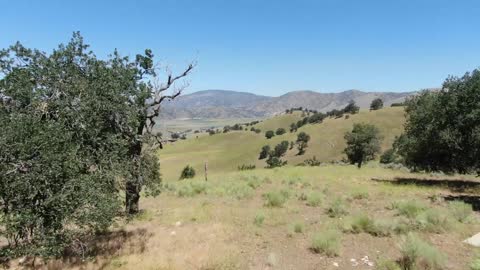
(457, 186)
(473, 200)
(100, 250)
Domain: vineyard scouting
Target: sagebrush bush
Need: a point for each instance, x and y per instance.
(360, 194)
(410, 209)
(314, 199)
(364, 223)
(327, 242)
(191, 189)
(460, 211)
(275, 198)
(416, 252)
(298, 227)
(475, 264)
(337, 208)
(433, 220)
(384, 264)
(259, 219)
(187, 172)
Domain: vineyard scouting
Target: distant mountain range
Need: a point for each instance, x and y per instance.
(233, 104)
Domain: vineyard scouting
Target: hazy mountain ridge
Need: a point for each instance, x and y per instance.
(233, 104)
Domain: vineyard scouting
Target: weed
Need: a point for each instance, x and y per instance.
(327, 242)
(384, 264)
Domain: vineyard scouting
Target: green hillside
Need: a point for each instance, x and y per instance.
(225, 152)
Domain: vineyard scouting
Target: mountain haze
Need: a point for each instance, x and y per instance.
(233, 104)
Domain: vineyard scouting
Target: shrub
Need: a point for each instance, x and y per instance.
(269, 134)
(302, 142)
(280, 149)
(433, 220)
(264, 152)
(360, 194)
(363, 143)
(191, 189)
(187, 172)
(246, 167)
(410, 209)
(298, 227)
(280, 131)
(337, 208)
(388, 157)
(363, 223)
(387, 265)
(275, 198)
(259, 219)
(274, 162)
(312, 162)
(475, 264)
(327, 242)
(417, 252)
(460, 211)
(314, 199)
(376, 104)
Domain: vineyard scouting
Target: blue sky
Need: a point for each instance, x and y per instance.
(269, 47)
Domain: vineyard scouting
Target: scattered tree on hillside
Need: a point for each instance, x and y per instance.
(388, 156)
(175, 136)
(363, 143)
(264, 152)
(442, 130)
(274, 162)
(293, 127)
(302, 142)
(292, 144)
(269, 134)
(376, 104)
(351, 108)
(280, 149)
(280, 131)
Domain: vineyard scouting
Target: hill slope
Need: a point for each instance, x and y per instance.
(231, 104)
(225, 152)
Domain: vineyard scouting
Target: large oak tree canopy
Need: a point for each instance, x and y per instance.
(75, 130)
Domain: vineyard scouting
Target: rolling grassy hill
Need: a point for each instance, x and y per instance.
(225, 152)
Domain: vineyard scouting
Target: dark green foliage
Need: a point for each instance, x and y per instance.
(265, 152)
(442, 131)
(246, 167)
(316, 118)
(187, 172)
(312, 162)
(62, 152)
(351, 108)
(363, 143)
(280, 131)
(211, 132)
(397, 104)
(257, 130)
(175, 136)
(293, 127)
(376, 104)
(269, 134)
(388, 156)
(280, 149)
(226, 129)
(75, 130)
(302, 142)
(274, 161)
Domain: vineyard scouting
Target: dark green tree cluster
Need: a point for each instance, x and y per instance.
(187, 172)
(302, 142)
(76, 130)
(269, 134)
(363, 143)
(376, 104)
(280, 131)
(442, 129)
(275, 155)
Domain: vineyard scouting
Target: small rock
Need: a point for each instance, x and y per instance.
(173, 233)
(335, 264)
(178, 223)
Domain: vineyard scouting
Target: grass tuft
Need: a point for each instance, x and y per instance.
(417, 254)
(275, 198)
(337, 208)
(460, 211)
(314, 199)
(327, 243)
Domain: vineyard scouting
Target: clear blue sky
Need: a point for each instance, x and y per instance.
(269, 47)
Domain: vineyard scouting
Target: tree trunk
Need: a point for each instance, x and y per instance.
(132, 198)
(359, 164)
